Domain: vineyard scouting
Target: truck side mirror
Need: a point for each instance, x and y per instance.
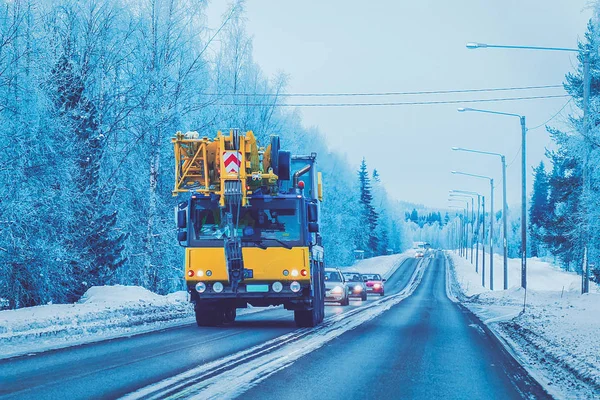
(182, 236)
(313, 227)
(313, 212)
(181, 219)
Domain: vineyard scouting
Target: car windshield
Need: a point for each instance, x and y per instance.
(333, 276)
(273, 220)
(371, 277)
(352, 277)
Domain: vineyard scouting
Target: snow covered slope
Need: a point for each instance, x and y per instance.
(557, 338)
(382, 265)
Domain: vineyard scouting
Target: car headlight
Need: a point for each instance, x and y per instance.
(358, 288)
(337, 290)
(376, 286)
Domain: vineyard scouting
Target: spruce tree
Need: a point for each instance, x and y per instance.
(95, 248)
(539, 210)
(369, 215)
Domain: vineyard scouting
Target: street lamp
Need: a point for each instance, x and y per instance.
(523, 187)
(491, 223)
(462, 233)
(467, 228)
(504, 206)
(478, 239)
(586, 183)
(473, 234)
(464, 228)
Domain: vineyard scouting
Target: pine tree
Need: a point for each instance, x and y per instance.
(369, 214)
(539, 211)
(414, 216)
(96, 249)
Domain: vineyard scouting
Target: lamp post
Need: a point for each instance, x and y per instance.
(477, 240)
(491, 221)
(504, 207)
(473, 231)
(586, 93)
(467, 229)
(461, 235)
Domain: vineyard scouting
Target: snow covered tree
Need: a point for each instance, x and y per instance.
(539, 210)
(367, 238)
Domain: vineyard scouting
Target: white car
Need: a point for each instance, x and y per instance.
(335, 287)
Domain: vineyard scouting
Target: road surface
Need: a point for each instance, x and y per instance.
(113, 368)
(424, 346)
(427, 347)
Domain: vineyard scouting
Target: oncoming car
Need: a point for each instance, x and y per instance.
(355, 284)
(419, 254)
(335, 288)
(374, 283)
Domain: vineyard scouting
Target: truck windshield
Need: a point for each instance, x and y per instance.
(275, 220)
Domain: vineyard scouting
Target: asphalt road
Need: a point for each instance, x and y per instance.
(116, 367)
(426, 347)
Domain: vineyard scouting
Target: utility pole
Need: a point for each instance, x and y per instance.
(483, 244)
(586, 173)
(492, 217)
(504, 222)
(523, 203)
(477, 238)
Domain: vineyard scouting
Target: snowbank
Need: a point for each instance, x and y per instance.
(103, 312)
(382, 265)
(541, 275)
(557, 338)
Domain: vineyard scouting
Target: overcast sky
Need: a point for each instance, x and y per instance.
(382, 46)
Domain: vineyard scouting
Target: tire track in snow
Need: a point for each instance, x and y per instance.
(229, 377)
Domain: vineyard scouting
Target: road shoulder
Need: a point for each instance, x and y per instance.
(547, 360)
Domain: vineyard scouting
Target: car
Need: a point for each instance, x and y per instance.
(335, 287)
(419, 253)
(374, 283)
(355, 284)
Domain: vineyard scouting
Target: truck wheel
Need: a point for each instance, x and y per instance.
(208, 316)
(310, 318)
(229, 314)
(306, 318)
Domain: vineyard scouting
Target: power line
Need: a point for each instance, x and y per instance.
(407, 103)
(386, 93)
(551, 118)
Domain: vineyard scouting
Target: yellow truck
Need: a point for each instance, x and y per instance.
(250, 226)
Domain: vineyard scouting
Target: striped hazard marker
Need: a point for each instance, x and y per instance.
(232, 161)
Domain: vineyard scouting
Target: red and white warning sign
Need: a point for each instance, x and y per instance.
(232, 161)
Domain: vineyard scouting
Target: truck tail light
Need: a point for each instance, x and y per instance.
(304, 272)
(190, 273)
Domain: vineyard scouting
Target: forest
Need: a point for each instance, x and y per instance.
(90, 94)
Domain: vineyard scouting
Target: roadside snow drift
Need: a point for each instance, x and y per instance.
(103, 312)
(557, 338)
(382, 265)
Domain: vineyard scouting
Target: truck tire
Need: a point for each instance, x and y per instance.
(306, 318)
(208, 316)
(229, 314)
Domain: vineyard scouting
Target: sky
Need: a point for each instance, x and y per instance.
(341, 46)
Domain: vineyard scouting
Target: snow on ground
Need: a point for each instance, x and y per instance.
(541, 275)
(382, 265)
(107, 312)
(557, 338)
(103, 312)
